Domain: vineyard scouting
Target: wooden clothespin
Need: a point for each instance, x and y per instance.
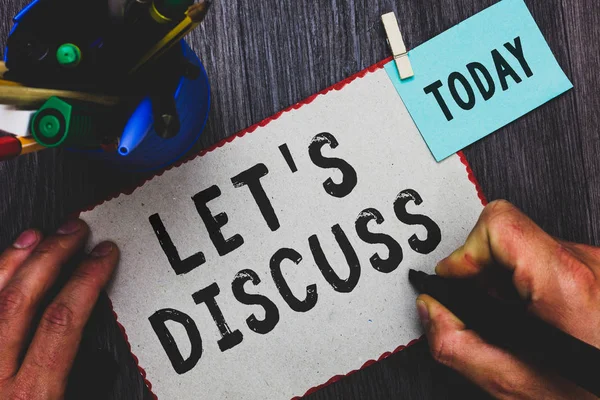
(394, 39)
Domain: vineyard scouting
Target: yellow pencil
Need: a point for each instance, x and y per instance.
(14, 146)
(29, 145)
(3, 69)
(29, 97)
(193, 16)
(4, 82)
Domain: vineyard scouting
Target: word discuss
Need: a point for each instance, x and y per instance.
(477, 71)
(213, 223)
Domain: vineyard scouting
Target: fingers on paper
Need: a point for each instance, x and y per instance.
(29, 282)
(495, 370)
(59, 333)
(14, 256)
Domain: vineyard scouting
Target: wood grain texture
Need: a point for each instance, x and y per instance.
(264, 56)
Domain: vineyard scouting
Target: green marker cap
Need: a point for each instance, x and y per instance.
(67, 122)
(49, 126)
(68, 55)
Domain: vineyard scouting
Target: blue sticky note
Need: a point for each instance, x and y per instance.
(479, 76)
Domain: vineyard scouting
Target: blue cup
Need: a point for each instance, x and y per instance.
(193, 103)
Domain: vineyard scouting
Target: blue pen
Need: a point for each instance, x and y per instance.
(138, 126)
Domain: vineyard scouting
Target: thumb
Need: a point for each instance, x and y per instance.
(495, 370)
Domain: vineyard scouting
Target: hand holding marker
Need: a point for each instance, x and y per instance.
(100, 114)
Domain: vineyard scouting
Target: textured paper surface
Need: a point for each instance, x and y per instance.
(473, 41)
(343, 330)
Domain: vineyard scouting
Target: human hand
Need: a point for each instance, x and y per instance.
(27, 271)
(557, 279)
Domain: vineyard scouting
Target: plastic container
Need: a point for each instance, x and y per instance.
(193, 103)
(153, 153)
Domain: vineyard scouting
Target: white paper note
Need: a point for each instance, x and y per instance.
(359, 160)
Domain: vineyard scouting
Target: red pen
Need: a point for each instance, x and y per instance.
(14, 146)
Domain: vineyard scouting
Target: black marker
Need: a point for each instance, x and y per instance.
(509, 325)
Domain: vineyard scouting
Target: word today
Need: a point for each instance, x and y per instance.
(482, 78)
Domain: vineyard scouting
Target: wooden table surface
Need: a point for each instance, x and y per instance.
(262, 56)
